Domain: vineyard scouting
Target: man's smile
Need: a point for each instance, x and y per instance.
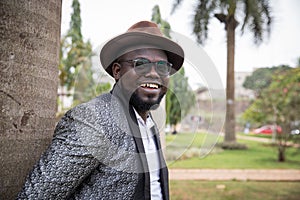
(150, 85)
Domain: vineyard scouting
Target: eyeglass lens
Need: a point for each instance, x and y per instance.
(143, 66)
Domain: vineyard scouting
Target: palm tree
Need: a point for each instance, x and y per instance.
(256, 18)
(30, 35)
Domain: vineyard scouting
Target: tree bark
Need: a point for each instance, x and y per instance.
(231, 24)
(29, 50)
(281, 153)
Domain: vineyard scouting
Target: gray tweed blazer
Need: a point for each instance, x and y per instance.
(96, 153)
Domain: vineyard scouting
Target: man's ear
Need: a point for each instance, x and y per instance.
(116, 67)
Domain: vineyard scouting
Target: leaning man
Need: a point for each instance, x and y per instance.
(109, 147)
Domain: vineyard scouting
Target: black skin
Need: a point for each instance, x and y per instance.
(130, 81)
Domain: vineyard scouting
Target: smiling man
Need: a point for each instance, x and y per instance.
(109, 147)
(144, 77)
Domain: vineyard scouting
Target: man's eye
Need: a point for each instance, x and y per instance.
(161, 63)
(141, 62)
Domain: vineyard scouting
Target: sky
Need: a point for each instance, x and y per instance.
(102, 21)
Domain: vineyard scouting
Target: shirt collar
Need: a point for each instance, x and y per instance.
(149, 122)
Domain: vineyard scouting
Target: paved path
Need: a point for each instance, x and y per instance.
(235, 174)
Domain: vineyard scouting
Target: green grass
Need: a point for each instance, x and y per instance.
(229, 190)
(185, 148)
(183, 151)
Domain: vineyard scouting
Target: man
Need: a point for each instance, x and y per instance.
(109, 147)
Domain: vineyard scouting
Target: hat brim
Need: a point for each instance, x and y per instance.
(130, 41)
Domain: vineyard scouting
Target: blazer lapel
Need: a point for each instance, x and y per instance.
(143, 188)
(164, 174)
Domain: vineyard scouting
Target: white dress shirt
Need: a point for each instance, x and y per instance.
(151, 155)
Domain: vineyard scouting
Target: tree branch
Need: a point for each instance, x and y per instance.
(221, 17)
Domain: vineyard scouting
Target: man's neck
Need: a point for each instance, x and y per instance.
(117, 91)
(143, 114)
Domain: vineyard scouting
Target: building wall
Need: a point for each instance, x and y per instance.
(240, 91)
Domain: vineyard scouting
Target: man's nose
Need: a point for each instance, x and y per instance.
(152, 72)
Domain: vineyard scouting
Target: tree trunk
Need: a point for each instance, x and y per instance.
(282, 141)
(281, 153)
(30, 35)
(231, 24)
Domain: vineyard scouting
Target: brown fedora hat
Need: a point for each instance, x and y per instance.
(144, 34)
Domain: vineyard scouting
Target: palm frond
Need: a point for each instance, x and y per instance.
(257, 18)
(247, 10)
(203, 13)
(175, 5)
(267, 11)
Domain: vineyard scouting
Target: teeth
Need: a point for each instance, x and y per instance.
(150, 85)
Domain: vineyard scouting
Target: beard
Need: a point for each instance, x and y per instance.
(141, 105)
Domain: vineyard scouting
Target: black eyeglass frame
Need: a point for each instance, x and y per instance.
(156, 64)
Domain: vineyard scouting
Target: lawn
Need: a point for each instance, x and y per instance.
(223, 190)
(183, 151)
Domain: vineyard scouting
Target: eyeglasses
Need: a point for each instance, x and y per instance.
(143, 66)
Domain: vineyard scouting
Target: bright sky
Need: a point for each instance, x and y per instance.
(102, 21)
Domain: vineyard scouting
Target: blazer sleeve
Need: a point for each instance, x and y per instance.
(64, 165)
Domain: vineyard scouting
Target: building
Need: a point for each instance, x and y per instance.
(240, 91)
